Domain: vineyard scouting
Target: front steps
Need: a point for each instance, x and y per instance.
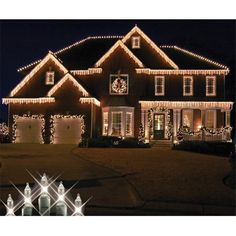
(165, 144)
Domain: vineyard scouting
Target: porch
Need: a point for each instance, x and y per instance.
(187, 120)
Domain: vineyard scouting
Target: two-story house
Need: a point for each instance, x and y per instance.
(121, 86)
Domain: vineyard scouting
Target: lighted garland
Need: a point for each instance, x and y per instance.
(40, 117)
(59, 116)
(168, 130)
(141, 133)
(4, 129)
(203, 130)
(119, 85)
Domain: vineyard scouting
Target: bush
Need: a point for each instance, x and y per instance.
(132, 143)
(214, 148)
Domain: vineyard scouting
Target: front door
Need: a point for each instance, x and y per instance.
(159, 126)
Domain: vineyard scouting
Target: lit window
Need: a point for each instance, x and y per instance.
(188, 86)
(50, 77)
(187, 119)
(210, 119)
(116, 123)
(210, 86)
(159, 85)
(128, 130)
(105, 123)
(136, 42)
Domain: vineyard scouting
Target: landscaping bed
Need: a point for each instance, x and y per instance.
(213, 148)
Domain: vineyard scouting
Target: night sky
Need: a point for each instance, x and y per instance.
(23, 42)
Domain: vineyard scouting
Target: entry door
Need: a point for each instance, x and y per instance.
(159, 126)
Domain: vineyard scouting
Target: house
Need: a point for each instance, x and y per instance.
(124, 86)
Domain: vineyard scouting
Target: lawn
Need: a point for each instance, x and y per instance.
(128, 178)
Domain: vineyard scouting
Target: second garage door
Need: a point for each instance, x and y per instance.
(67, 130)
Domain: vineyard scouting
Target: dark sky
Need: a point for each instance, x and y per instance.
(22, 42)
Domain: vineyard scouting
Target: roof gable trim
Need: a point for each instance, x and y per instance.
(63, 80)
(28, 77)
(151, 43)
(119, 43)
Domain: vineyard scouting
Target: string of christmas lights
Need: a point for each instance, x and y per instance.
(90, 71)
(59, 116)
(187, 104)
(119, 43)
(90, 100)
(27, 100)
(63, 80)
(25, 116)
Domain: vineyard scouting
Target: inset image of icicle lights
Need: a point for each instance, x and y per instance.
(53, 199)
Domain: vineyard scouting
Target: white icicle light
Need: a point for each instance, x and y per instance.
(10, 206)
(90, 100)
(27, 100)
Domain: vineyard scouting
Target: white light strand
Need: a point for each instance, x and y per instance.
(90, 71)
(63, 80)
(71, 46)
(60, 116)
(149, 71)
(90, 100)
(27, 100)
(119, 43)
(152, 44)
(186, 104)
(40, 117)
(196, 55)
(26, 79)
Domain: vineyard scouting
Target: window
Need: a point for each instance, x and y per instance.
(105, 123)
(188, 86)
(136, 42)
(116, 123)
(210, 86)
(187, 119)
(210, 119)
(49, 78)
(128, 130)
(159, 85)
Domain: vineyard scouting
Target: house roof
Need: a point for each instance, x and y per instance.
(86, 53)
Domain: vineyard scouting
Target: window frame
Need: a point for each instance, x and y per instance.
(185, 78)
(112, 122)
(207, 86)
(47, 81)
(103, 123)
(134, 45)
(163, 86)
(130, 124)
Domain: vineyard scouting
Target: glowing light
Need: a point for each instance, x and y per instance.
(197, 56)
(27, 100)
(10, 206)
(149, 71)
(151, 43)
(90, 71)
(58, 116)
(186, 104)
(25, 116)
(119, 43)
(63, 80)
(90, 100)
(27, 78)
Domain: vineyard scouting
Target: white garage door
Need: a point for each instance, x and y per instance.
(28, 130)
(67, 130)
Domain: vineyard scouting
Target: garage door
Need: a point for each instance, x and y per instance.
(28, 130)
(67, 130)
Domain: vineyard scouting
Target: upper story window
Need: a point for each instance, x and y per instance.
(135, 42)
(188, 86)
(210, 86)
(159, 85)
(49, 78)
(119, 84)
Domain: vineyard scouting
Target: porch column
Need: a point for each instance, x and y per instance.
(203, 117)
(176, 121)
(146, 128)
(227, 118)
